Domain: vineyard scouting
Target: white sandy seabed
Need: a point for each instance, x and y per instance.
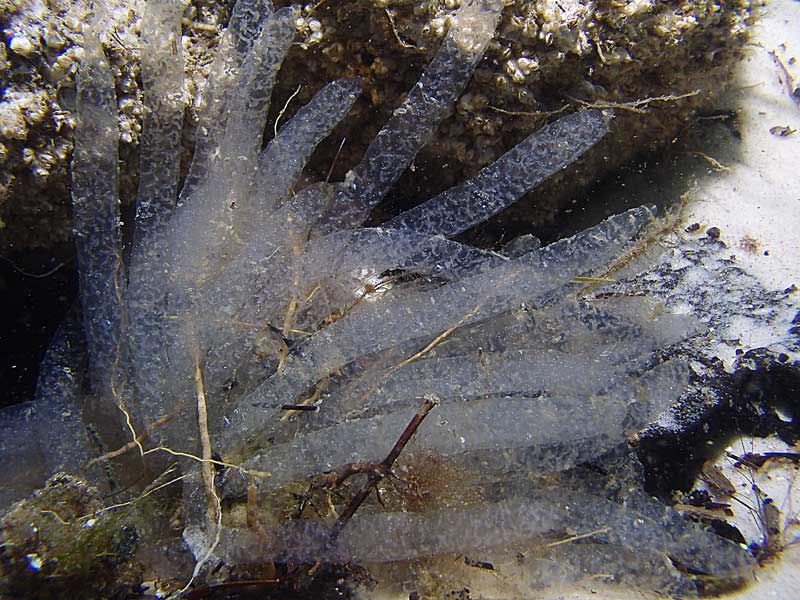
(754, 200)
(759, 199)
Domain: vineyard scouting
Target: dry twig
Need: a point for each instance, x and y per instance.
(635, 105)
(214, 514)
(136, 443)
(380, 470)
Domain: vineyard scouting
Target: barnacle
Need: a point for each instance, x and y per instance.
(243, 293)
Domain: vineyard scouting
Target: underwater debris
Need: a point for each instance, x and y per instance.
(243, 293)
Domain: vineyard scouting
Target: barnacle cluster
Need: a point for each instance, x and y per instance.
(336, 393)
(545, 56)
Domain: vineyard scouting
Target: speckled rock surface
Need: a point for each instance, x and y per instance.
(547, 56)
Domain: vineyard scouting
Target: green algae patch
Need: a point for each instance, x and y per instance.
(59, 543)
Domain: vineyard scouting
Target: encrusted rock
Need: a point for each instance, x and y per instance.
(545, 57)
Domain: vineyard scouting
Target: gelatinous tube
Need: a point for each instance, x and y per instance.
(149, 274)
(95, 205)
(377, 327)
(20, 445)
(159, 150)
(310, 340)
(645, 525)
(58, 413)
(237, 41)
(493, 425)
(205, 232)
(282, 161)
(414, 122)
(503, 182)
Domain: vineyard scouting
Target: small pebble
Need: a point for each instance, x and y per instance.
(21, 45)
(713, 233)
